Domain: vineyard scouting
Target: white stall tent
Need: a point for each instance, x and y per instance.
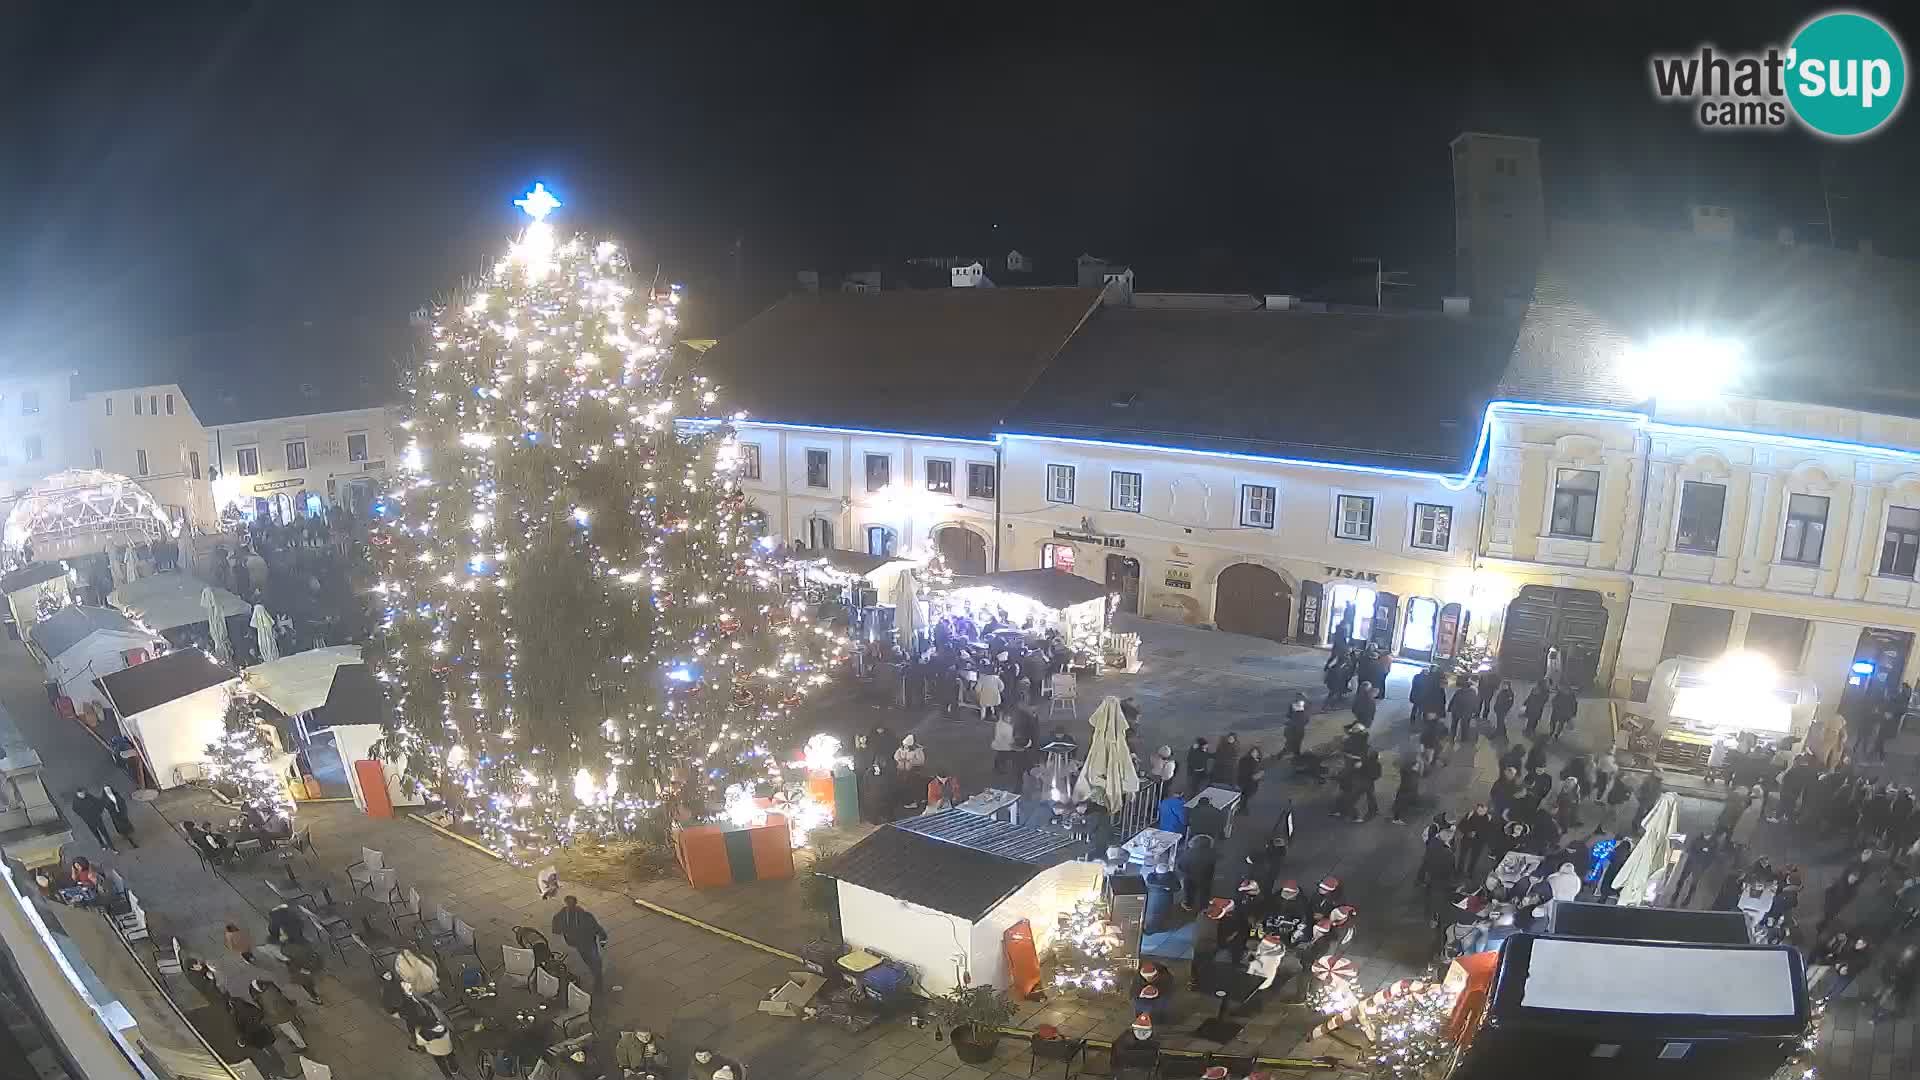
(169, 600)
(939, 892)
(80, 644)
(25, 586)
(171, 708)
(299, 682)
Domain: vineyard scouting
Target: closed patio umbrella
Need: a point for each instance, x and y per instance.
(906, 611)
(1108, 776)
(264, 635)
(1651, 853)
(216, 624)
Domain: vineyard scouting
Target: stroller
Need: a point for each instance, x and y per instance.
(526, 937)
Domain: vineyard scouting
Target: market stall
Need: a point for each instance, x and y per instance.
(1737, 698)
(860, 587)
(24, 588)
(171, 601)
(78, 644)
(940, 892)
(171, 708)
(300, 683)
(1035, 601)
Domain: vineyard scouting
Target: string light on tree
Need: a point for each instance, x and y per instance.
(578, 633)
(246, 757)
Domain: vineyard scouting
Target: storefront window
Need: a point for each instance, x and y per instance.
(1057, 557)
(1422, 615)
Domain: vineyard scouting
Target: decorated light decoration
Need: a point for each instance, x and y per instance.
(578, 633)
(1082, 946)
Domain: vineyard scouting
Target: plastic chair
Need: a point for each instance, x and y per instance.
(579, 1006)
(169, 965)
(407, 909)
(300, 843)
(333, 930)
(545, 985)
(371, 862)
(1066, 693)
(384, 886)
(518, 963)
(313, 1070)
(288, 892)
(133, 924)
(439, 933)
(464, 937)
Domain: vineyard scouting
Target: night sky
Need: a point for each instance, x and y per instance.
(182, 169)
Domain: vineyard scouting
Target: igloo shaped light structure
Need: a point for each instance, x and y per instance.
(83, 511)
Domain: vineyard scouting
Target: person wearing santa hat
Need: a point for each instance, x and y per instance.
(1268, 958)
(1137, 1047)
(1341, 922)
(1327, 897)
(1210, 936)
(1214, 1072)
(1151, 1002)
(1152, 974)
(1290, 905)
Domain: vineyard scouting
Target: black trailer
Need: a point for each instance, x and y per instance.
(1576, 1008)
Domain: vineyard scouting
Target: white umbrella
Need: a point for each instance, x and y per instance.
(1650, 852)
(1108, 776)
(133, 563)
(906, 611)
(263, 631)
(216, 624)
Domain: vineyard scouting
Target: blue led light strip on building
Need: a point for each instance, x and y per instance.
(1448, 481)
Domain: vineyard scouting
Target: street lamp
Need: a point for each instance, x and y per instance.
(1681, 367)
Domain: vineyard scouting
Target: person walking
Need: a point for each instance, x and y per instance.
(1471, 837)
(1650, 791)
(577, 927)
(117, 810)
(1535, 706)
(1605, 768)
(1565, 705)
(1199, 764)
(93, 812)
(431, 1035)
(1488, 685)
(1463, 710)
(1409, 790)
(1370, 770)
(1003, 748)
(1196, 867)
(278, 1011)
(1295, 730)
(1365, 705)
(987, 692)
(1502, 705)
(1226, 756)
(1249, 773)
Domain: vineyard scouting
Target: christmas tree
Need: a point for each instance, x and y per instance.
(1083, 948)
(245, 756)
(578, 631)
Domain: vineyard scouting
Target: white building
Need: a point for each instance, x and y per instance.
(150, 433)
(286, 465)
(36, 429)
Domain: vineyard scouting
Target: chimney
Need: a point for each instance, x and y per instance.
(1457, 306)
(1785, 235)
(1279, 302)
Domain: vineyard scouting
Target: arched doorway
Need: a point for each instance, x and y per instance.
(964, 550)
(1123, 580)
(1543, 617)
(1251, 599)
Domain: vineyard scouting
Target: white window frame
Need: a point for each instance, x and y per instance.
(302, 444)
(362, 436)
(993, 474)
(1419, 523)
(1057, 494)
(193, 463)
(749, 461)
(926, 474)
(1553, 498)
(826, 468)
(1786, 522)
(240, 460)
(1250, 517)
(169, 404)
(1116, 480)
(139, 405)
(1339, 516)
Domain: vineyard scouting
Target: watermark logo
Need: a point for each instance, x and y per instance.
(1843, 75)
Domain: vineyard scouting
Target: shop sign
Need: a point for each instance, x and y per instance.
(1089, 538)
(276, 485)
(1355, 575)
(1179, 578)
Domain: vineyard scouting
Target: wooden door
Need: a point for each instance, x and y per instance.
(1123, 580)
(1251, 599)
(965, 552)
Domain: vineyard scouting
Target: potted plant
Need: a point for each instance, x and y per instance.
(819, 890)
(973, 1016)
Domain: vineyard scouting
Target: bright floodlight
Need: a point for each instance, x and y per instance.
(1682, 367)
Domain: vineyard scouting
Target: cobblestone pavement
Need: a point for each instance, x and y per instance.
(693, 985)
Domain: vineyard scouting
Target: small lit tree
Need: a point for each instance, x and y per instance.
(1083, 948)
(245, 756)
(1410, 1037)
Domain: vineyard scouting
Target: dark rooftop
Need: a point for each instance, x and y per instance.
(354, 698)
(933, 362)
(1397, 390)
(162, 679)
(28, 576)
(1818, 325)
(954, 861)
(297, 370)
(73, 624)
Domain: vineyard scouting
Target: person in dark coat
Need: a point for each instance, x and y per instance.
(1415, 693)
(1535, 706)
(1225, 757)
(577, 927)
(1471, 837)
(1206, 819)
(1369, 776)
(1199, 765)
(1837, 897)
(1463, 710)
(1248, 773)
(1565, 705)
(1295, 730)
(1502, 705)
(1409, 790)
(89, 809)
(1365, 705)
(1197, 864)
(117, 810)
(1506, 791)
(1650, 791)
(1537, 756)
(1433, 700)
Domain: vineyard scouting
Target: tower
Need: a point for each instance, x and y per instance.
(1499, 219)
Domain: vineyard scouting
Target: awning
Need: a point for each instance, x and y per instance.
(857, 563)
(1055, 589)
(300, 682)
(166, 601)
(73, 624)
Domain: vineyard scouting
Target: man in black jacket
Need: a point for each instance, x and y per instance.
(577, 927)
(1462, 710)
